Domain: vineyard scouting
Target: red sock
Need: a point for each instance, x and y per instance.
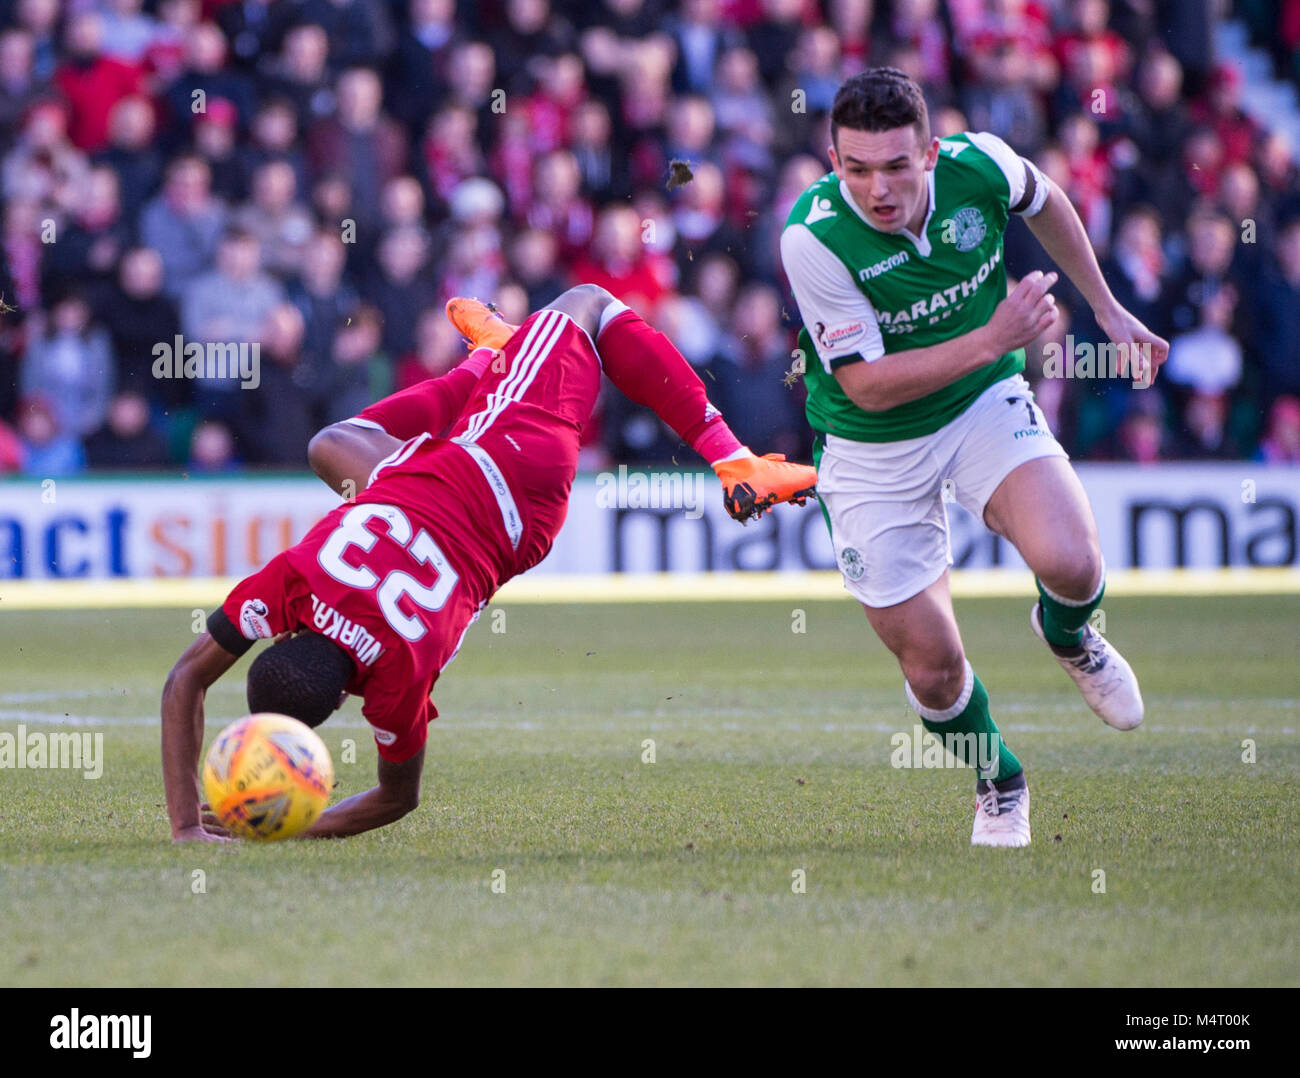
(643, 364)
(430, 405)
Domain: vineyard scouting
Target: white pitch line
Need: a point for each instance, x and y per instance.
(1055, 707)
(189, 592)
(46, 695)
(653, 722)
(1009, 707)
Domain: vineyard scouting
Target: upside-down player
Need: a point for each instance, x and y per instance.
(378, 595)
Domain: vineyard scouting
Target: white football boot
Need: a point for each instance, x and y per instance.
(1102, 674)
(1001, 816)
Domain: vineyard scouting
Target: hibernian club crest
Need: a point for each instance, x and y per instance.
(851, 563)
(968, 228)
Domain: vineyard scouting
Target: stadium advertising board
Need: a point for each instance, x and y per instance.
(1200, 516)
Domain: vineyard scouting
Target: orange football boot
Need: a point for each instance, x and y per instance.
(480, 323)
(752, 485)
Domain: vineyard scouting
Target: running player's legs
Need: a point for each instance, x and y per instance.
(889, 529)
(1042, 509)
(1008, 470)
(944, 690)
(890, 534)
(941, 685)
(922, 634)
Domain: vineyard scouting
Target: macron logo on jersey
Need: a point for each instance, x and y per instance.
(884, 265)
(820, 210)
(330, 623)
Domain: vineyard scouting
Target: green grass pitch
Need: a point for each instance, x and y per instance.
(772, 754)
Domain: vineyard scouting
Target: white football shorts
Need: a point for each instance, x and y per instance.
(885, 500)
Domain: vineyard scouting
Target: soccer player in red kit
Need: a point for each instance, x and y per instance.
(377, 597)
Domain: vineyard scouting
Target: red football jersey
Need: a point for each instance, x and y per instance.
(397, 578)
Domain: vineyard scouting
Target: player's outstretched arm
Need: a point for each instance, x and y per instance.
(1058, 228)
(397, 794)
(182, 735)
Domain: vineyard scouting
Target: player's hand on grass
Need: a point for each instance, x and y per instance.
(210, 821)
(1150, 349)
(201, 833)
(208, 829)
(1024, 314)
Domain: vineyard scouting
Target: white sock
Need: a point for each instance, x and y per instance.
(615, 308)
(739, 454)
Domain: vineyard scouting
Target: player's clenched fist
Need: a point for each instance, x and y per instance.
(1025, 313)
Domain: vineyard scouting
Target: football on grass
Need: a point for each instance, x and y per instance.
(267, 777)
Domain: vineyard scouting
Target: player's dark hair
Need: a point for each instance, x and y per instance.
(879, 99)
(301, 677)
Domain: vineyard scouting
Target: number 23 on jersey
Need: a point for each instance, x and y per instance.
(352, 531)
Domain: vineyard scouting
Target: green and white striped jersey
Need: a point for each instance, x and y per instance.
(863, 293)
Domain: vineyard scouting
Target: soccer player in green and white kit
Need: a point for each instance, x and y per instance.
(913, 352)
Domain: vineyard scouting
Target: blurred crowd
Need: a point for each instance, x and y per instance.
(320, 176)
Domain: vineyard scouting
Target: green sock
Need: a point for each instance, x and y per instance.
(1064, 619)
(971, 735)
